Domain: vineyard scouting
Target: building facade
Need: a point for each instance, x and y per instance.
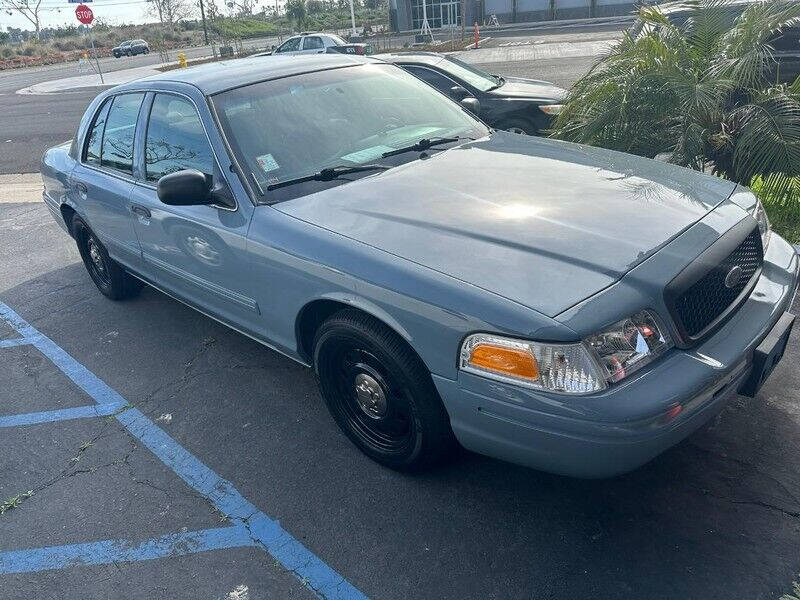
(407, 15)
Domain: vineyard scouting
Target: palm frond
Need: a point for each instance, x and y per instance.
(768, 140)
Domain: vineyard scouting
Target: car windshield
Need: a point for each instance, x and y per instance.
(296, 126)
(474, 77)
(337, 40)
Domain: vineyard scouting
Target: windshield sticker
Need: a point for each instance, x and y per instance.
(267, 163)
(366, 154)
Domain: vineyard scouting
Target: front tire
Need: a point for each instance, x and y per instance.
(109, 277)
(380, 393)
(520, 126)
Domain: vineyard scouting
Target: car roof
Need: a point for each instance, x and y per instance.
(427, 58)
(212, 78)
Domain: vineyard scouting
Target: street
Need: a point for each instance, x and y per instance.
(193, 421)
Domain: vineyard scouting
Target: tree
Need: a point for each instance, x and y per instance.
(296, 11)
(27, 8)
(170, 12)
(704, 92)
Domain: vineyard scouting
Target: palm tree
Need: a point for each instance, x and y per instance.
(296, 11)
(704, 92)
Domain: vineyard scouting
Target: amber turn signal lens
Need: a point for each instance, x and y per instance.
(508, 361)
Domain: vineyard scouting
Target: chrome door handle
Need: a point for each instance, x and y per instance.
(141, 211)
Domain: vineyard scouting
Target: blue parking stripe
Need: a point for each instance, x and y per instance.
(14, 342)
(64, 414)
(111, 551)
(263, 530)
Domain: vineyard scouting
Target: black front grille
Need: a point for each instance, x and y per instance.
(708, 297)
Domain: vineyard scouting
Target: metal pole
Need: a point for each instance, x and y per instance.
(353, 17)
(96, 60)
(203, 16)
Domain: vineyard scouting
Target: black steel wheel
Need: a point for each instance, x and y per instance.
(109, 277)
(380, 393)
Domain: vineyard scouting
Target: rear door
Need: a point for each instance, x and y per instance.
(312, 44)
(195, 252)
(102, 180)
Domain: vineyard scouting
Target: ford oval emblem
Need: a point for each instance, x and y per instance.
(733, 276)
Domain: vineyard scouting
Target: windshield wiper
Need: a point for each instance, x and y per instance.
(329, 174)
(424, 144)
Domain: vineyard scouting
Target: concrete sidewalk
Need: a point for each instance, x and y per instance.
(20, 187)
(88, 81)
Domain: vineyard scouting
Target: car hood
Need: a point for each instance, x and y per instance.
(533, 89)
(540, 222)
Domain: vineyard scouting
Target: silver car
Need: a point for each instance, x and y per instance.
(556, 305)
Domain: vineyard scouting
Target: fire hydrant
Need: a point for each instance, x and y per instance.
(182, 60)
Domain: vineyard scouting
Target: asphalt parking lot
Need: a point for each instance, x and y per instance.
(170, 457)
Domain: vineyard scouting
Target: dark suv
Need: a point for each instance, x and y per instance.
(131, 48)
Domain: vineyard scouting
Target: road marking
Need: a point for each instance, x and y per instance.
(262, 530)
(114, 551)
(64, 414)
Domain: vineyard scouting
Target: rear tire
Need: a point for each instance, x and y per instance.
(380, 393)
(109, 277)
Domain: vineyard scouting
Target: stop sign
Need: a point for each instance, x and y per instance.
(84, 14)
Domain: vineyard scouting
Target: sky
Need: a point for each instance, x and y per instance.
(60, 12)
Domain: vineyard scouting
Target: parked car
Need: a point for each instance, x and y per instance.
(785, 43)
(131, 48)
(565, 307)
(511, 103)
(318, 43)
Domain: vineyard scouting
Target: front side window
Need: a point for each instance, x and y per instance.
(350, 116)
(289, 45)
(175, 139)
(437, 80)
(312, 43)
(94, 140)
(117, 147)
(478, 79)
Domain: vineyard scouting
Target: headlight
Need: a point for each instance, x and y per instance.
(760, 215)
(630, 344)
(555, 367)
(551, 109)
(579, 368)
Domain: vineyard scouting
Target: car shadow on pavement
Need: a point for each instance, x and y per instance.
(719, 512)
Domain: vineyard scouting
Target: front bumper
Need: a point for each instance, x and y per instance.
(631, 422)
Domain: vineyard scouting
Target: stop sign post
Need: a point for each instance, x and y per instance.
(85, 15)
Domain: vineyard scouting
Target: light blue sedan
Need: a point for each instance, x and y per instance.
(559, 306)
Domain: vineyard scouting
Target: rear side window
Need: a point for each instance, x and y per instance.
(312, 43)
(117, 147)
(176, 139)
(95, 138)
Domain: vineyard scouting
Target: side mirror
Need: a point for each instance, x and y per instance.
(458, 92)
(471, 104)
(185, 188)
(273, 47)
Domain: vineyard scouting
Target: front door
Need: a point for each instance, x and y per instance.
(198, 252)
